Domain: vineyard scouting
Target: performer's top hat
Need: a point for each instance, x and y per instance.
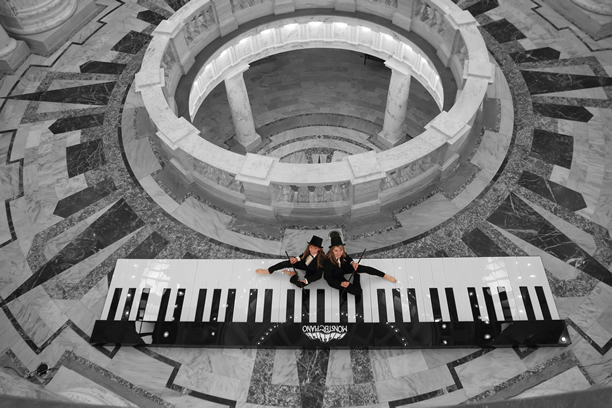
(336, 239)
(316, 241)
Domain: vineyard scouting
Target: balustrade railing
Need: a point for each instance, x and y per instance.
(263, 183)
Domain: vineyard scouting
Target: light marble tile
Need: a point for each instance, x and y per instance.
(427, 215)
(158, 194)
(29, 320)
(594, 305)
(381, 369)
(140, 369)
(66, 187)
(339, 370)
(597, 366)
(202, 218)
(489, 370)
(74, 386)
(409, 363)
(491, 151)
(187, 401)
(566, 306)
(14, 268)
(450, 399)
(414, 384)
(141, 158)
(598, 334)
(560, 175)
(212, 384)
(9, 181)
(12, 385)
(473, 190)
(570, 69)
(285, 368)
(5, 231)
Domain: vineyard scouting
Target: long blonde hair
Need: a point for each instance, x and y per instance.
(320, 255)
(330, 253)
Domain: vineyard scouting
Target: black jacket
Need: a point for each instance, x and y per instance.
(334, 275)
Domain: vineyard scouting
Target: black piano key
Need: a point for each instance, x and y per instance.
(382, 306)
(527, 303)
(290, 305)
(216, 303)
(144, 298)
(543, 303)
(435, 304)
(267, 313)
(343, 307)
(503, 297)
(305, 305)
(473, 297)
(397, 305)
(200, 306)
(112, 311)
(163, 306)
(178, 306)
(412, 305)
(321, 305)
(229, 306)
(252, 306)
(359, 310)
(452, 306)
(488, 297)
(128, 304)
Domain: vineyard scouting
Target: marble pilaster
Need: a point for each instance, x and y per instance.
(240, 107)
(366, 184)
(12, 52)
(225, 16)
(586, 15)
(397, 103)
(254, 176)
(45, 24)
(284, 6)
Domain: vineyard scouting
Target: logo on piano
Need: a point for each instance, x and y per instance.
(324, 332)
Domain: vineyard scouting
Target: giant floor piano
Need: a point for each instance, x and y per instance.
(436, 302)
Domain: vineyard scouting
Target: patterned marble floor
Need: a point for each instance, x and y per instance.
(82, 187)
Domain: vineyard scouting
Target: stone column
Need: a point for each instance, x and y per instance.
(240, 106)
(45, 24)
(397, 103)
(12, 52)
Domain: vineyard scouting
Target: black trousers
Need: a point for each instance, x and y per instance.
(355, 287)
(287, 264)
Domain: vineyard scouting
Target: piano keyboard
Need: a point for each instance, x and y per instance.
(427, 290)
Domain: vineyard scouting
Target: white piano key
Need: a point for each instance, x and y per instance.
(124, 268)
(243, 279)
(158, 279)
(281, 305)
(533, 271)
(199, 282)
(331, 308)
(516, 281)
(263, 283)
(297, 305)
(455, 270)
(225, 284)
(370, 306)
(386, 266)
(212, 268)
(313, 303)
(400, 272)
(351, 308)
(334, 298)
(439, 279)
(182, 276)
(503, 279)
(468, 277)
(414, 281)
(427, 282)
(275, 285)
(485, 268)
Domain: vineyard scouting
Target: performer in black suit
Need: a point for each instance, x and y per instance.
(311, 261)
(338, 263)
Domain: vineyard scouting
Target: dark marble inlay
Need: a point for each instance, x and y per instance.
(362, 367)
(553, 148)
(539, 54)
(312, 373)
(84, 198)
(504, 31)
(518, 218)
(565, 197)
(482, 7)
(94, 94)
(481, 244)
(176, 4)
(567, 112)
(119, 221)
(84, 157)
(76, 122)
(102, 67)
(149, 248)
(132, 42)
(362, 394)
(546, 82)
(150, 17)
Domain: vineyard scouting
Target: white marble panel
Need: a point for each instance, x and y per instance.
(285, 368)
(140, 369)
(414, 384)
(339, 370)
(427, 215)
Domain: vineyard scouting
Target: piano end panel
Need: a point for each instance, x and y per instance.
(115, 332)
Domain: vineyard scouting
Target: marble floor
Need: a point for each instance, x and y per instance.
(82, 187)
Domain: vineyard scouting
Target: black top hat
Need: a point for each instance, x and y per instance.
(336, 239)
(316, 241)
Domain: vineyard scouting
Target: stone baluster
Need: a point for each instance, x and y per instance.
(366, 184)
(397, 104)
(240, 107)
(255, 180)
(45, 24)
(12, 52)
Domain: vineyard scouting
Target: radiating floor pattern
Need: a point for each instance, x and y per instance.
(82, 187)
